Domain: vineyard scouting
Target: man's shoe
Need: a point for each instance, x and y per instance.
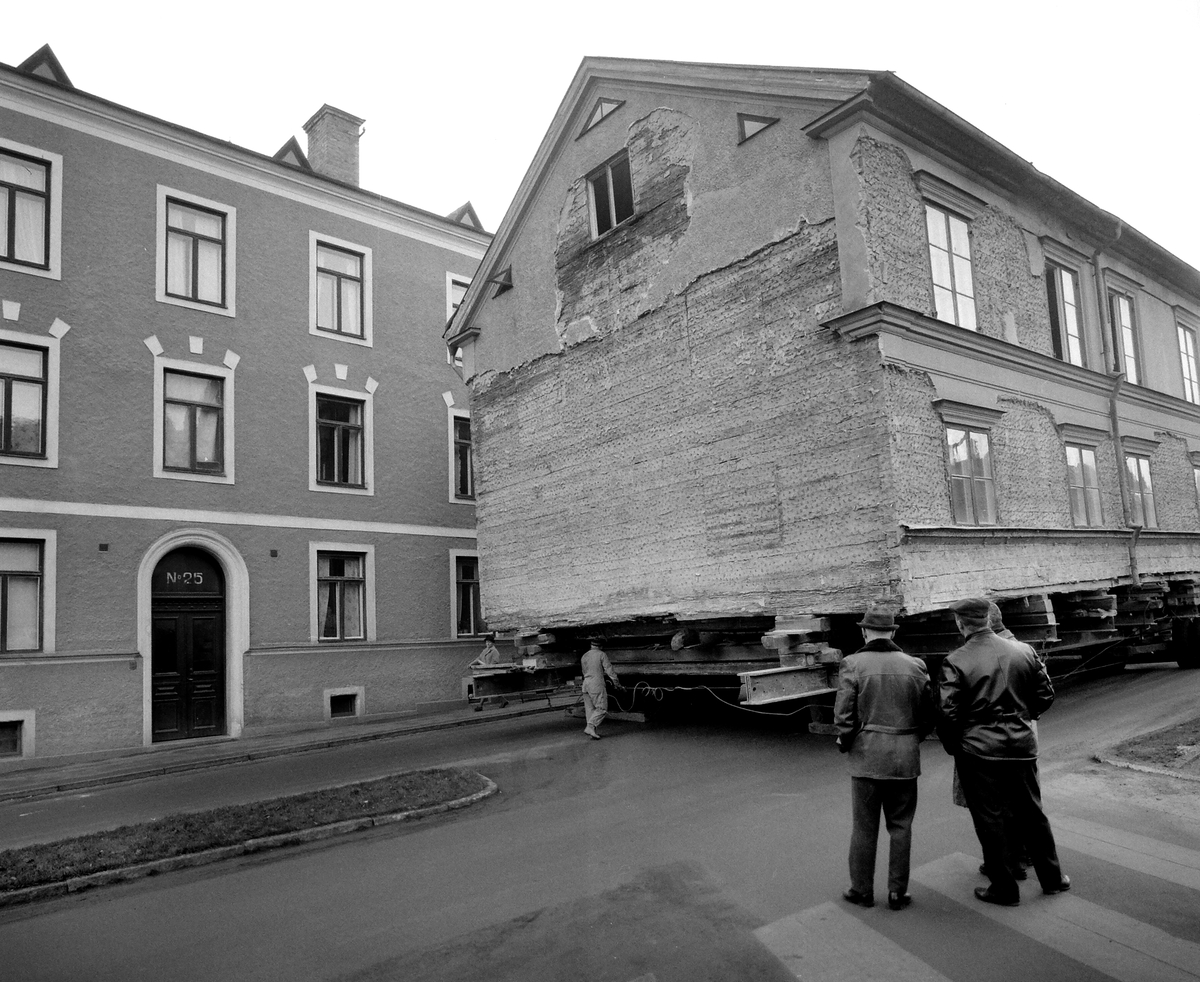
(591, 732)
(898, 901)
(988, 896)
(1063, 885)
(860, 899)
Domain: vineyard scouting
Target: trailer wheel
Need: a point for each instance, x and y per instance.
(1187, 650)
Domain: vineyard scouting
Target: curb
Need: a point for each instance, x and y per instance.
(325, 743)
(1144, 768)
(77, 884)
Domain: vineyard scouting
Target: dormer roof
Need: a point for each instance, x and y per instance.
(44, 64)
(291, 154)
(464, 214)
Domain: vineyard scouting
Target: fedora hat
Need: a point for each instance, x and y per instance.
(878, 618)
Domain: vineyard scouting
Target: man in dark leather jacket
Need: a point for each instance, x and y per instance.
(991, 691)
(884, 707)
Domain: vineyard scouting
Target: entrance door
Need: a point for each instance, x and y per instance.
(188, 646)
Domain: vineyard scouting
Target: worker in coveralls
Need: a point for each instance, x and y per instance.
(884, 708)
(596, 666)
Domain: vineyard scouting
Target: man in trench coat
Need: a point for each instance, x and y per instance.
(884, 708)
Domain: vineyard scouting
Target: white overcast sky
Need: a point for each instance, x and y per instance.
(1100, 95)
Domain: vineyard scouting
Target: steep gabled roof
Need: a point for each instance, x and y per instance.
(816, 87)
(44, 64)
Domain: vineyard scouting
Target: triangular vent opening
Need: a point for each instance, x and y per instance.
(44, 64)
(291, 154)
(602, 108)
(750, 125)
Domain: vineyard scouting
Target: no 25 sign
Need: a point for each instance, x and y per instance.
(185, 579)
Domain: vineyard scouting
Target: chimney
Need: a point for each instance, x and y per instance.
(333, 144)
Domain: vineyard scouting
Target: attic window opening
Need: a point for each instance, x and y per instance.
(503, 281)
(750, 125)
(600, 111)
(610, 189)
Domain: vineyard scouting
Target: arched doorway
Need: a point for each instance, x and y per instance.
(187, 646)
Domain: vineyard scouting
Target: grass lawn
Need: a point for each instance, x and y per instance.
(1168, 747)
(177, 835)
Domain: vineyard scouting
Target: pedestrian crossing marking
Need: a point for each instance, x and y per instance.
(1139, 853)
(829, 944)
(1119, 946)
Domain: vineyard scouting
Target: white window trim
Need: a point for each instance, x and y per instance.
(451, 279)
(451, 415)
(367, 399)
(160, 260)
(49, 540)
(28, 719)
(56, 170)
(360, 700)
(50, 345)
(455, 556)
(368, 553)
(367, 286)
(948, 197)
(162, 365)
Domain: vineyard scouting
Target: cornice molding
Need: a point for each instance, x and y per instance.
(889, 318)
(993, 533)
(1064, 255)
(1084, 436)
(1139, 445)
(127, 127)
(956, 413)
(941, 192)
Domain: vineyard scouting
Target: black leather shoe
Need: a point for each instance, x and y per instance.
(898, 901)
(861, 899)
(989, 897)
(1063, 885)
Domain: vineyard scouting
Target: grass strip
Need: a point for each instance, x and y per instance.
(1167, 747)
(177, 835)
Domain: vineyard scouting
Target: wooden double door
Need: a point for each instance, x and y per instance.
(187, 647)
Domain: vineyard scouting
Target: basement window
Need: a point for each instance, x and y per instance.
(344, 705)
(610, 189)
(10, 739)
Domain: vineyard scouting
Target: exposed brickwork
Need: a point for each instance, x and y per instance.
(892, 221)
(1030, 467)
(719, 455)
(606, 283)
(1008, 297)
(918, 445)
(1174, 484)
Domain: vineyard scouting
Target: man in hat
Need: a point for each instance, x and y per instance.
(883, 709)
(595, 666)
(992, 689)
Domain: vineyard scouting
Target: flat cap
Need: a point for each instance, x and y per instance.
(975, 608)
(878, 618)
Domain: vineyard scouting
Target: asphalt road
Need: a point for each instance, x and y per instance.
(659, 853)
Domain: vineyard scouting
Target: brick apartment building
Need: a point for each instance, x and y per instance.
(758, 346)
(235, 480)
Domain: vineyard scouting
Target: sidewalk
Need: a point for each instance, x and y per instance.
(42, 776)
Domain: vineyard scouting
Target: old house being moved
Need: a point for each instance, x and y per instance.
(756, 347)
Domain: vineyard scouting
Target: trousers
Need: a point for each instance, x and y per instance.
(897, 799)
(595, 707)
(1005, 801)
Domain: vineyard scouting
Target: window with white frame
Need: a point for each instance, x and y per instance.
(1187, 362)
(30, 210)
(972, 485)
(342, 591)
(29, 375)
(197, 241)
(21, 574)
(456, 289)
(23, 392)
(468, 611)
(610, 191)
(1141, 491)
(193, 422)
(1066, 322)
(1083, 486)
(950, 263)
(193, 418)
(462, 461)
(340, 289)
(1124, 327)
(341, 440)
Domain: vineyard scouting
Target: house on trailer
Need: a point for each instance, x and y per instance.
(234, 460)
(754, 348)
